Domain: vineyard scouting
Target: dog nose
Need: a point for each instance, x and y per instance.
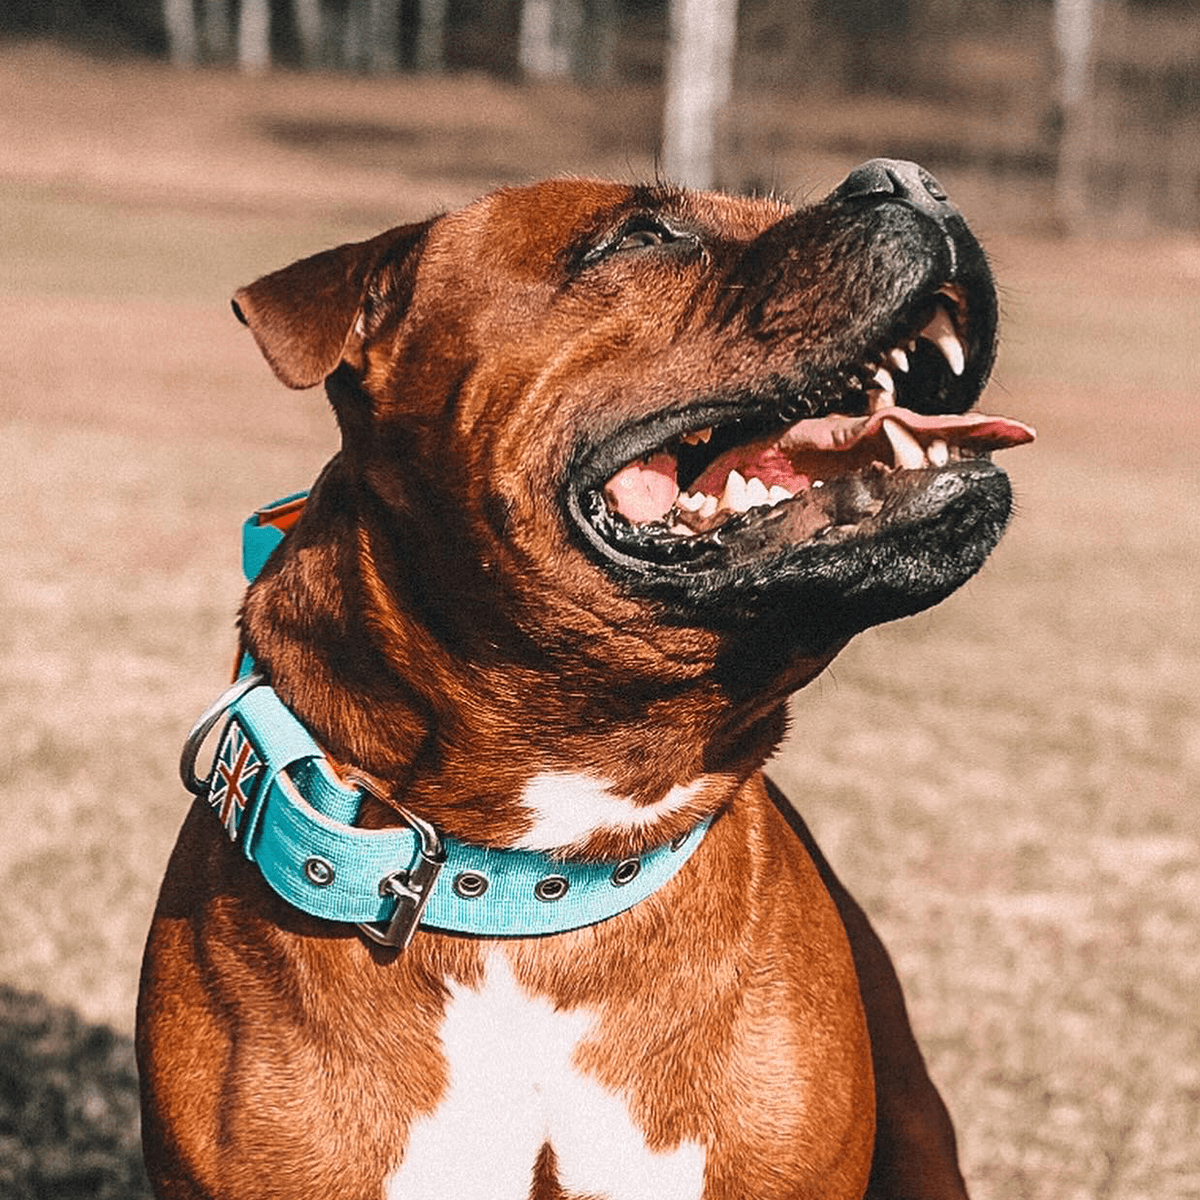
(894, 179)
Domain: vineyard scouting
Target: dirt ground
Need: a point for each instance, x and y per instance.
(1008, 782)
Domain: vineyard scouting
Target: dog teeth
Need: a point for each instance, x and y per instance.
(898, 359)
(941, 332)
(883, 392)
(938, 452)
(756, 492)
(740, 495)
(700, 435)
(906, 448)
(736, 496)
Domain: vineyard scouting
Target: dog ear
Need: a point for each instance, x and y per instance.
(304, 316)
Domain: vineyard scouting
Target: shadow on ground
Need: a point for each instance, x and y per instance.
(69, 1124)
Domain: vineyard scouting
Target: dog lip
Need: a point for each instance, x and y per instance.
(858, 506)
(664, 495)
(848, 478)
(774, 467)
(594, 466)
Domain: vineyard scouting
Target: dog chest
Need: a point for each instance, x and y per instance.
(517, 1101)
(566, 809)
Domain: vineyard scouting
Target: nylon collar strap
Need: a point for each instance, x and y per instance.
(280, 800)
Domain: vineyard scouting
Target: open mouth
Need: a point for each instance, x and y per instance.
(822, 463)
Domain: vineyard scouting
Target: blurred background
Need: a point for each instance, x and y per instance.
(1008, 782)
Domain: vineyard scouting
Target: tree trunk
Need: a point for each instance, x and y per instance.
(216, 29)
(354, 37)
(254, 35)
(180, 20)
(431, 36)
(699, 82)
(548, 35)
(308, 32)
(383, 36)
(596, 49)
(1074, 32)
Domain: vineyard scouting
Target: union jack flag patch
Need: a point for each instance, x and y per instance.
(235, 777)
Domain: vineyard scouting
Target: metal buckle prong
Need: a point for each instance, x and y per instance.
(411, 888)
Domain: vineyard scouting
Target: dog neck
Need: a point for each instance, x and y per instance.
(534, 749)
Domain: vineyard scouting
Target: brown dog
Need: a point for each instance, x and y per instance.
(621, 468)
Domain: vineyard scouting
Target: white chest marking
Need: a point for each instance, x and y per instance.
(514, 1087)
(567, 808)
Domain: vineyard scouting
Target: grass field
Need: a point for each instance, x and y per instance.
(1008, 782)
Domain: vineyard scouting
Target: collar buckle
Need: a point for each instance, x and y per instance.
(411, 887)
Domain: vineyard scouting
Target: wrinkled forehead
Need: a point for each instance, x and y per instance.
(546, 227)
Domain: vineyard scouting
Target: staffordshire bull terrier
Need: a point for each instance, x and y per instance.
(486, 895)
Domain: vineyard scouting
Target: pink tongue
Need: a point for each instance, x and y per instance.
(644, 490)
(772, 458)
(974, 429)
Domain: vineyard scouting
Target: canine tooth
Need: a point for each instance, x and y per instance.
(938, 452)
(898, 359)
(883, 393)
(690, 503)
(698, 436)
(941, 332)
(906, 448)
(735, 496)
(756, 492)
(777, 493)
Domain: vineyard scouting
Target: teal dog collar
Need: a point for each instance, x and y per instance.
(279, 799)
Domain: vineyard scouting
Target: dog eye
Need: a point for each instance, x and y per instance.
(643, 233)
(643, 239)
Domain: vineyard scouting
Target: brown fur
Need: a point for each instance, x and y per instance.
(432, 623)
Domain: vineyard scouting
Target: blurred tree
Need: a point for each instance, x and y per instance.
(1074, 33)
(568, 38)
(548, 32)
(869, 48)
(254, 35)
(350, 40)
(183, 46)
(383, 35)
(216, 29)
(596, 50)
(699, 75)
(309, 27)
(430, 53)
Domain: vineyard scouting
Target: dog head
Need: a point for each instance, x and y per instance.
(638, 440)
